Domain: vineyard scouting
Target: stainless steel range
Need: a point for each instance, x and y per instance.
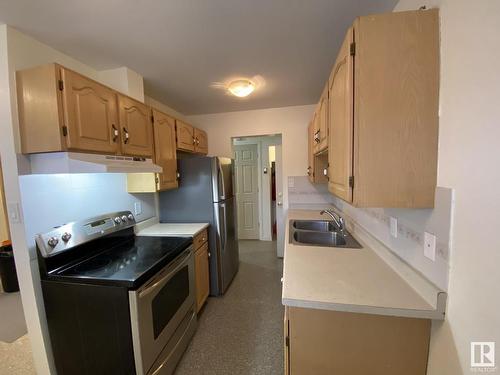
(116, 303)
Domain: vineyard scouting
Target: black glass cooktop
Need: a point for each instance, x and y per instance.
(129, 263)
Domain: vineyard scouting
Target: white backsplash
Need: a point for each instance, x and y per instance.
(412, 223)
(52, 200)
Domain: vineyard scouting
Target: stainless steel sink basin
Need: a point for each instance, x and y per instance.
(320, 233)
(319, 238)
(315, 225)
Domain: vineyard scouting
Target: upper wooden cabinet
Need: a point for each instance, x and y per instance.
(340, 122)
(89, 114)
(321, 126)
(165, 150)
(201, 141)
(185, 136)
(136, 127)
(317, 164)
(60, 110)
(383, 144)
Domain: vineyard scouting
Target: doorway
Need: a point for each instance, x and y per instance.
(259, 187)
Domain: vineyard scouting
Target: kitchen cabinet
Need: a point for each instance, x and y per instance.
(332, 342)
(201, 146)
(321, 126)
(201, 267)
(191, 139)
(165, 156)
(383, 111)
(136, 127)
(60, 110)
(165, 150)
(317, 164)
(4, 223)
(185, 137)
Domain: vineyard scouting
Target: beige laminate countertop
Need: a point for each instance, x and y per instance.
(169, 229)
(353, 280)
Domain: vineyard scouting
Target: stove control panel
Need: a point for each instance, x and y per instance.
(73, 234)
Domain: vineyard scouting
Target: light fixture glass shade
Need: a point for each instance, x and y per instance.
(241, 87)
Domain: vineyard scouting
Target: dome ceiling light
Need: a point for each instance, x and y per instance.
(241, 87)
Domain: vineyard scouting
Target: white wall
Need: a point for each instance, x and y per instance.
(469, 154)
(290, 122)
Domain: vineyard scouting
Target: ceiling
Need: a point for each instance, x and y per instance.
(181, 47)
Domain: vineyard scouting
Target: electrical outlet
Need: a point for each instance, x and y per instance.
(14, 213)
(394, 227)
(430, 246)
(137, 208)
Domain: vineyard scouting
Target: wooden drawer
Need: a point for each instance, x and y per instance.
(200, 239)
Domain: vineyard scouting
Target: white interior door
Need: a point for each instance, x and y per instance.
(247, 191)
(280, 219)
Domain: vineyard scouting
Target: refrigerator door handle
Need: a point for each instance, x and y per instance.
(220, 178)
(223, 226)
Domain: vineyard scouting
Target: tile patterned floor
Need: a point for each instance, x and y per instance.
(242, 332)
(15, 358)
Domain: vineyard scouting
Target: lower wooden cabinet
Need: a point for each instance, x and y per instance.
(325, 342)
(201, 269)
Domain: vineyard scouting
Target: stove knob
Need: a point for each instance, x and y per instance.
(124, 218)
(118, 220)
(53, 241)
(131, 217)
(66, 236)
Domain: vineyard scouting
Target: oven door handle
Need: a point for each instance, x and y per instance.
(179, 263)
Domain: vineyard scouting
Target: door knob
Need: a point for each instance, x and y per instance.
(280, 203)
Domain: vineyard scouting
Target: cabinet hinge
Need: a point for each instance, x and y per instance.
(61, 84)
(353, 49)
(65, 130)
(351, 181)
(287, 341)
(157, 180)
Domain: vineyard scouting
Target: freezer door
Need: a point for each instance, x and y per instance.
(228, 252)
(222, 178)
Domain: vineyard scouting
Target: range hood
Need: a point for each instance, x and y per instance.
(74, 162)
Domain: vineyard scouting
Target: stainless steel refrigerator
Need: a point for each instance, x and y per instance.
(205, 194)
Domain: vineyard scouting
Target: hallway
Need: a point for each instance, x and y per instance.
(242, 332)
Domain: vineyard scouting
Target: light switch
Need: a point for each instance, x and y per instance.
(14, 213)
(430, 246)
(394, 227)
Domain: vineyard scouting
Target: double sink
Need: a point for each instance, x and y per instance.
(320, 233)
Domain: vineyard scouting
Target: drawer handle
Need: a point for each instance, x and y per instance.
(125, 133)
(115, 132)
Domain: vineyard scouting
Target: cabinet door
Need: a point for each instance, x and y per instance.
(165, 150)
(136, 127)
(201, 141)
(202, 276)
(340, 104)
(315, 126)
(324, 342)
(310, 151)
(185, 136)
(90, 114)
(323, 121)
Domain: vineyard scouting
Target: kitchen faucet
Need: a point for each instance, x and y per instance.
(337, 219)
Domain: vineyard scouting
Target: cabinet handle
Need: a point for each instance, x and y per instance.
(197, 141)
(115, 132)
(194, 141)
(308, 171)
(125, 133)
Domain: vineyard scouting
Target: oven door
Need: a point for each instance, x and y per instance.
(158, 307)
